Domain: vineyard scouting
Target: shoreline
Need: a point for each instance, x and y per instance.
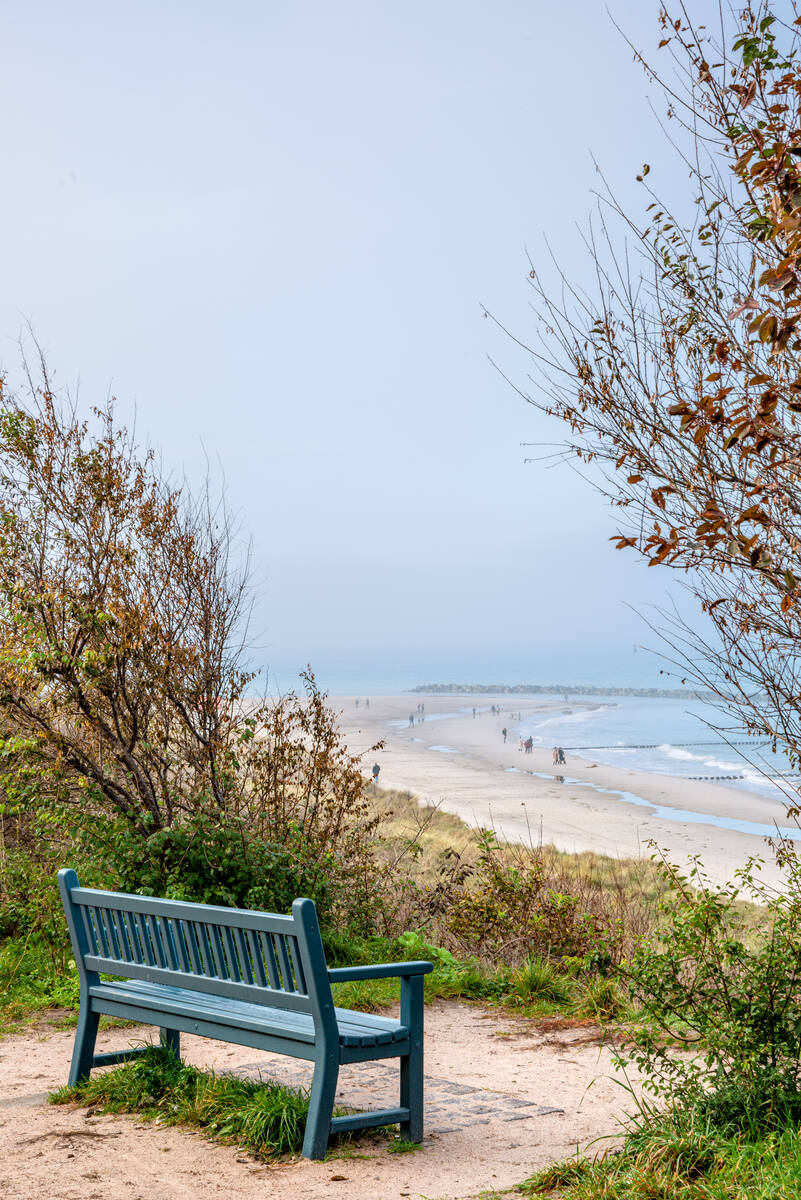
(460, 762)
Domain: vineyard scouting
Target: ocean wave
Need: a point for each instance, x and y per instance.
(679, 753)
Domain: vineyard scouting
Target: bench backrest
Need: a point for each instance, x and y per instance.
(264, 958)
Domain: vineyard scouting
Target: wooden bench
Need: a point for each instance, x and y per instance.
(253, 978)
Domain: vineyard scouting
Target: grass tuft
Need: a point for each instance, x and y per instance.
(265, 1119)
(401, 1146)
(537, 979)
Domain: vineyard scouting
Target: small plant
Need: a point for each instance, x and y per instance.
(600, 998)
(400, 1146)
(556, 1175)
(537, 979)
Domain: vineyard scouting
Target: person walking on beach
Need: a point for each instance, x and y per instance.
(555, 757)
(411, 720)
(367, 702)
(562, 759)
(504, 731)
(376, 772)
(529, 744)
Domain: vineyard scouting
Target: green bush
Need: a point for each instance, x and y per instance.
(728, 994)
(204, 858)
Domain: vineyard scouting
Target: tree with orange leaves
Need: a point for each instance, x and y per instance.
(679, 378)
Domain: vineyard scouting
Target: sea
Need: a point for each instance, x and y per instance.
(688, 739)
(684, 738)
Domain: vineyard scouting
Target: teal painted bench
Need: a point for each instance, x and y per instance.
(252, 978)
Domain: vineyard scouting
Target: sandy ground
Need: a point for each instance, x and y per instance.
(489, 1138)
(469, 774)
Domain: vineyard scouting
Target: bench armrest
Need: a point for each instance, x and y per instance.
(378, 971)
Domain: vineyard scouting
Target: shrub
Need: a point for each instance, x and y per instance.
(600, 998)
(207, 860)
(521, 901)
(726, 992)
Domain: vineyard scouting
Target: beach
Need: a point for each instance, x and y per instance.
(460, 762)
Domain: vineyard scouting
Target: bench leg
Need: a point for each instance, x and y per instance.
(321, 1107)
(84, 1048)
(411, 1066)
(171, 1040)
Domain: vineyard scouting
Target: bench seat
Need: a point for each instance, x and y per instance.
(356, 1029)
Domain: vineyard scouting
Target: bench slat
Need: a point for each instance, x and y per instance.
(123, 934)
(244, 956)
(201, 983)
(179, 941)
(218, 955)
(355, 1029)
(142, 939)
(297, 965)
(110, 931)
(268, 953)
(100, 933)
(209, 914)
(154, 933)
(88, 930)
(234, 966)
(283, 958)
(256, 957)
(205, 949)
(193, 947)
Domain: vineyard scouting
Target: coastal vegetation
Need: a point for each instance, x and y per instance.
(678, 384)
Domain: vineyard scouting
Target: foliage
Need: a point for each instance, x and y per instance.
(537, 979)
(680, 1160)
(31, 981)
(265, 1119)
(678, 378)
(207, 861)
(400, 1146)
(601, 998)
(121, 622)
(128, 745)
(726, 994)
(523, 900)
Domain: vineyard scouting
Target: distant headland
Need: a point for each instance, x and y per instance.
(558, 689)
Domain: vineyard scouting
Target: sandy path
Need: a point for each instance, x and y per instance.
(471, 776)
(68, 1154)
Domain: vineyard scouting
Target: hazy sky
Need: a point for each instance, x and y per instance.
(269, 228)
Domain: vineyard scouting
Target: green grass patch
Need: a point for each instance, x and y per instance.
(401, 1146)
(31, 981)
(265, 1119)
(678, 1163)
